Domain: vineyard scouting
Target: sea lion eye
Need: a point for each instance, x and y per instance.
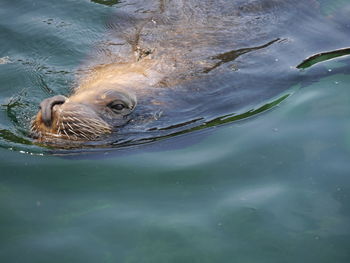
(116, 106)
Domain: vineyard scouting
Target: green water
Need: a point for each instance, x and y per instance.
(271, 188)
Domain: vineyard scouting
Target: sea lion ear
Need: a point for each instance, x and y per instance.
(133, 100)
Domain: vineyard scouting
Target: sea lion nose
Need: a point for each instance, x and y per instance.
(46, 108)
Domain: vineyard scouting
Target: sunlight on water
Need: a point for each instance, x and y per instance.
(255, 196)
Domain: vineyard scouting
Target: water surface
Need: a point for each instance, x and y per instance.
(261, 176)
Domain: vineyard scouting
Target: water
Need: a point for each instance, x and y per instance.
(271, 186)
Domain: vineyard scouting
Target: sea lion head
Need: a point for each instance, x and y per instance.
(86, 115)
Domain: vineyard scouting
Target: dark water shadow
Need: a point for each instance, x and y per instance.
(324, 56)
(106, 2)
(234, 54)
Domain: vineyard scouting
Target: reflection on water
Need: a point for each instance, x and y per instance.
(323, 57)
(106, 2)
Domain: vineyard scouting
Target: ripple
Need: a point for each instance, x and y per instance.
(5, 60)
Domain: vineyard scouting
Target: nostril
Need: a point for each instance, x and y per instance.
(46, 108)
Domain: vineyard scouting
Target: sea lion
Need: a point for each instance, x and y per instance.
(164, 48)
(101, 103)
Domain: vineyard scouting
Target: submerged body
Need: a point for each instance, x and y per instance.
(173, 42)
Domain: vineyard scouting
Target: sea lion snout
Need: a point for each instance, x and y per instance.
(46, 107)
(86, 115)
